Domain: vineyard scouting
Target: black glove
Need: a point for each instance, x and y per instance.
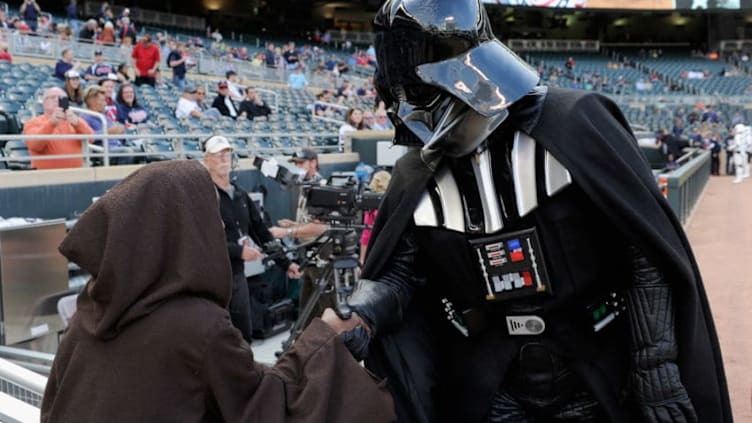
(356, 341)
(654, 380)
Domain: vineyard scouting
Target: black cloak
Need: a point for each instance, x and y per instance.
(588, 134)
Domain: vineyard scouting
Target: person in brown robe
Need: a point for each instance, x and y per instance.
(152, 341)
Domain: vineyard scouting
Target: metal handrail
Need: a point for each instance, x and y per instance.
(16, 411)
(24, 378)
(179, 152)
(104, 136)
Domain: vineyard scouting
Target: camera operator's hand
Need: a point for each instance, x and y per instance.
(278, 232)
(293, 271)
(285, 223)
(251, 254)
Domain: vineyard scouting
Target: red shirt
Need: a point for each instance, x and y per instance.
(146, 58)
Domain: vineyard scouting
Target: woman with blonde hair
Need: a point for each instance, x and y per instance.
(379, 183)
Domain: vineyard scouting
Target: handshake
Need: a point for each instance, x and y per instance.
(355, 333)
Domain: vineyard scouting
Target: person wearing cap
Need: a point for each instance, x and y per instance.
(146, 61)
(223, 101)
(65, 64)
(187, 106)
(99, 69)
(244, 231)
(56, 121)
(305, 227)
(73, 88)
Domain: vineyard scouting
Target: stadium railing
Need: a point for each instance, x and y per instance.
(180, 151)
(684, 186)
(21, 392)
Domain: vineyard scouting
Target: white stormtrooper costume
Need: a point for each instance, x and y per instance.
(742, 144)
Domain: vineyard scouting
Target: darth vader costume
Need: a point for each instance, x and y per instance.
(524, 266)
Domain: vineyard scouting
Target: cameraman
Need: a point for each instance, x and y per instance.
(304, 227)
(244, 230)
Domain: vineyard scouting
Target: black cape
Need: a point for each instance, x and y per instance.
(588, 134)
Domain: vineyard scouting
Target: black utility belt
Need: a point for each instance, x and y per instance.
(473, 321)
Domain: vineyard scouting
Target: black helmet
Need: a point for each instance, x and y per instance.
(431, 52)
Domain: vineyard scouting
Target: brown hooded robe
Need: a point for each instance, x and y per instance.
(152, 341)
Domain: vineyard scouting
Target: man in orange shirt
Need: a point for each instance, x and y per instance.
(57, 121)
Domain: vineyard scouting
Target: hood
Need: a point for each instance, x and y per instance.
(155, 236)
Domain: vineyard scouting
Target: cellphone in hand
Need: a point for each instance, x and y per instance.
(63, 103)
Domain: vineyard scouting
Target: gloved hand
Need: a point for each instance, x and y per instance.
(356, 340)
(354, 332)
(660, 395)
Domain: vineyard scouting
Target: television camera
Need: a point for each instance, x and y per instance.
(338, 202)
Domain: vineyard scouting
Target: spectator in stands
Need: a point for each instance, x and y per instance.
(65, 64)
(201, 100)
(353, 122)
(176, 61)
(296, 80)
(233, 85)
(107, 35)
(252, 106)
(269, 56)
(152, 323)
(123, 73)
(223, 102)
(368, 119)
(99, 69)
(291, 56)
(30, 11)
(55, 121)
(146, 61)
(89, 31)
(4, 53)
(245, 232)
(710, 115)
(108, 83)
(94, 97)
(71, 13)
(73, 88)
(129, 111)
(188, 107)
(4, 25)
(382, 123)
(127, 29)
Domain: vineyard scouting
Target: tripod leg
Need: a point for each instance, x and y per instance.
(297, 328)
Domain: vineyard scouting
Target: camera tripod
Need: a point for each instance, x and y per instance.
(338, 259)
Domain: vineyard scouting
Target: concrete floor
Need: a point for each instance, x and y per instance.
(720, 232)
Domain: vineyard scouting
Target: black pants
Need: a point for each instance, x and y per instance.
(240, 306)
(141, 80)
(540, 387)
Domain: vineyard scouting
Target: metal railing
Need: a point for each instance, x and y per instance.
(554, 45)
(683, 186)
(21, 383)
(176, 141)
(147, 16)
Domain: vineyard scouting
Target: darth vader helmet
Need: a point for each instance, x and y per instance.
(445, 78)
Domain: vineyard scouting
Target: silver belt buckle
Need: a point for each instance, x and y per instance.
(525, 325)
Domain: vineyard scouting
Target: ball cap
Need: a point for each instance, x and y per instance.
(217, 143)
(303, 155)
